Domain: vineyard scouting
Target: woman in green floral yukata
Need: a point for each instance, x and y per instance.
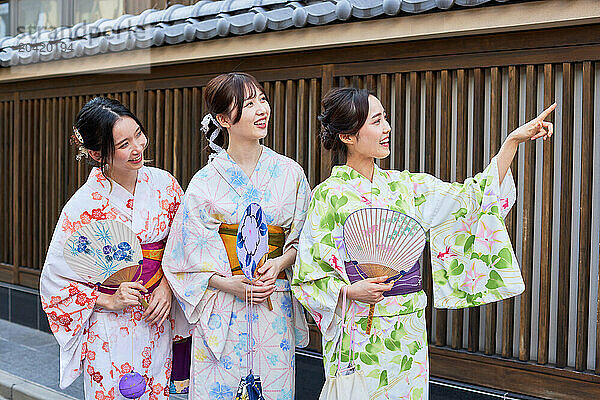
(472, 259)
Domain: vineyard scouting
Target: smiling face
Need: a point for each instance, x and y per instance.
(130, 143)
(373, 138)
(254, 119)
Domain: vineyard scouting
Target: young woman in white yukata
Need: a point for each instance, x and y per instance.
(104, 333)
(200, 260)
(472, 258)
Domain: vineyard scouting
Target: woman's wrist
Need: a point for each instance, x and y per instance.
(105, 301)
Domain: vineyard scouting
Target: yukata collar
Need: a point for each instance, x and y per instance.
(226, 167)
(348, 173)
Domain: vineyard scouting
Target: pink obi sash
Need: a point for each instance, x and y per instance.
(151, 271)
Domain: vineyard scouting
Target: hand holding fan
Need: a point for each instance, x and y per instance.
(253, 242)
(105, 253)
(383, 242)
(252, 249)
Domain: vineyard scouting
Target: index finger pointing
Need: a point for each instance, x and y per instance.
(546, 112)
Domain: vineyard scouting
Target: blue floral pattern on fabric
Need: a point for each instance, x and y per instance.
(286, 305)
(214, 322)
(279, 325)
(220, 391)
(285, 345)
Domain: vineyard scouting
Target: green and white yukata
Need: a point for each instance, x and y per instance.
(472, 259)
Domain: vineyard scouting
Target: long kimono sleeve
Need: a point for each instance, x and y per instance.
(68, 305)
(317, 278)
(302, 196)
(302, 201)
(194, 253)
(473, 261)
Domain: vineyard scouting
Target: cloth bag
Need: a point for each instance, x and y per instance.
(347, 384)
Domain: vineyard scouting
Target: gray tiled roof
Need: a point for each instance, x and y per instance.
(204, 20)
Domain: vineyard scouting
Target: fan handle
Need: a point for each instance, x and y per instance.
(370, 319)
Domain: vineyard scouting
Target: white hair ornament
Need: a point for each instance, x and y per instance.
(205, 127)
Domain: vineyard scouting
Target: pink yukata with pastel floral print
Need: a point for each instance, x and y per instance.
(103, 344)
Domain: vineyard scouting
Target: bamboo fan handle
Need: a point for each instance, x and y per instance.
(370, 319)
(260, 264)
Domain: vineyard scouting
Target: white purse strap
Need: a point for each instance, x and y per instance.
(345, 327)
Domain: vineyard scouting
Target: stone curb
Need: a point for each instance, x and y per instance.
(14, 388)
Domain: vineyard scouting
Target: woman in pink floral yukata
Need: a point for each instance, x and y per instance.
(106, 333)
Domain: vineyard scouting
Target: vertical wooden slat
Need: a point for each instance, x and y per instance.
(151, 126)
(167, 132)
(430, 157)
(35, 203)
(16, 135)
(159, 130)
(585, 216)
(187, 150)
(315, 151)
(514, 84)
(3, 178)
(495, 135)
(415, 121)
(529, 172)
(177, 133)
(49, 182)
(566, 186)
(304, 134)
(399, 139)
(291, 116)
(462, 122)
(386, 101)
(140, 99)
(279, 118)
(60, 143)
(546, 233)
(269, 139)
(326, 85)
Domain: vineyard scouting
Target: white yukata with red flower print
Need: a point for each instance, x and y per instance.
(105, 344)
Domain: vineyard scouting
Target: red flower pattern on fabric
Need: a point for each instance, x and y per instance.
(97, 377)
(126, 368)
(85, 217)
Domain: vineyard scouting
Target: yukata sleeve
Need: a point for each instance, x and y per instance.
(302, 196)
(472, 258)
(318, 279)
(194, 253)
(68, 305)
(175, 191)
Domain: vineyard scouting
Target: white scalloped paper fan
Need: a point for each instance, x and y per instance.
(104, 252)
(383, 242)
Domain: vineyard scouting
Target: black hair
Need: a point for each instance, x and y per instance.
(225, 94)
(345, 111)
(95, 123)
